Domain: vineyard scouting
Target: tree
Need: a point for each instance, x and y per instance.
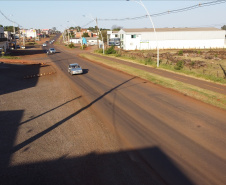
(10, 28)
(91, 29)
(223, 27)
(116, 28)
(78, 28)
(85, 35)
(104, 34)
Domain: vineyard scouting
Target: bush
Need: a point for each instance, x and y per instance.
(83, 47)
(180, 53)
(99, 51)
(179, 65)
(148, 61)
(118, 55)
(192, 63)
(71, 45)
(111, 50)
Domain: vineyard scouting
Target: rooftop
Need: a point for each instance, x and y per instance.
(170, 29)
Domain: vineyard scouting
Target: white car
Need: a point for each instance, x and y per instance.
(74, 69)
(44, 44)
(52, 50)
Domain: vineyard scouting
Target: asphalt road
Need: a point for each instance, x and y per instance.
(178, 139)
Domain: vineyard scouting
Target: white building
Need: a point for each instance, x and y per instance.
(31, 33)
(90, 41)
(172, 38)
(3, 41)
(113, 38)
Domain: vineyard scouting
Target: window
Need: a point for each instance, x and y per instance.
(133, 36)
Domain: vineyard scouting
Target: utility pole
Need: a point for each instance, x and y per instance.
(14, 35)
(98, 34)
(24, 39)
(101, 36)
(68, 35)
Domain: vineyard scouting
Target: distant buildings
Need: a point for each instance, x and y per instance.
(10, 40)
(3, 41)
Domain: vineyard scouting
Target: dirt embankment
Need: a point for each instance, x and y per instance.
(191, 58)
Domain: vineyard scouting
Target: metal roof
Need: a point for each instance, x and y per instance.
(170, 29)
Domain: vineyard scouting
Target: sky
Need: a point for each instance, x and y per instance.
(63, 14)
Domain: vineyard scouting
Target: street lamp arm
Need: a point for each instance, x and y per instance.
(141, 3)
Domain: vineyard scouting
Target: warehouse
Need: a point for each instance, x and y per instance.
(171, 38)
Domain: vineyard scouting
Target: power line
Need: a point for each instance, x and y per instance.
(87, 24)
(200, 5)
(8, 18)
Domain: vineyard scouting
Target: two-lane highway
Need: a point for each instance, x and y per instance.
(178, 139)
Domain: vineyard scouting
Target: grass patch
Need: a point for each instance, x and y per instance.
(10, 57)
(204, 95)
(30, 43)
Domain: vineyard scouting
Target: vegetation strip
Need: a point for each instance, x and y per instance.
(213, 98)
(205, 64)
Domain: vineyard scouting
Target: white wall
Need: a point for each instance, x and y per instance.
(174, 40)
(76, 41)
(30, 33)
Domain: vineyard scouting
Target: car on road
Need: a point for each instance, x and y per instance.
(74, 69)
(44, 44)
(52, 50)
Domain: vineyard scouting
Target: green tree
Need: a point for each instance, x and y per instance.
(10, 28)
(91, 28)
(78, 28)
(116, 28)
(104, 34)
(223, 27)
(85, 35)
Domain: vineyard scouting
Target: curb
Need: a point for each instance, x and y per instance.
(38, 75)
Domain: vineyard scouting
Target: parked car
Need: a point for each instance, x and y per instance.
(44, 44)
(22, 47)
(74, 69)
(52, 50)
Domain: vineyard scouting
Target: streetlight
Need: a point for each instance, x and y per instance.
(141, 3)
(68, 34)
(63, 34)
(14, 32)
(95, 20)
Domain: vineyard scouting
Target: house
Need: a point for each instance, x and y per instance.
(171, 38)
(113, 38)
(82, 31)
(90, 41)
(3, 41)
(31, 33)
